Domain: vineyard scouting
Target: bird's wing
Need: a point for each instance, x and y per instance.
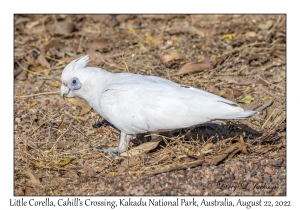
(136, 104)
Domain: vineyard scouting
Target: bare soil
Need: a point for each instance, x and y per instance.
(234, 56)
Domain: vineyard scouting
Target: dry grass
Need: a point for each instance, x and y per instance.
(47, 132)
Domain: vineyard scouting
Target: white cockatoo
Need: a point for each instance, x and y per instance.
(136, 103)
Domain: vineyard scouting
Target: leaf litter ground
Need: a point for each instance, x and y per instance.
(240, 57)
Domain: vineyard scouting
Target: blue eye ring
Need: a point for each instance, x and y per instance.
(75, 83)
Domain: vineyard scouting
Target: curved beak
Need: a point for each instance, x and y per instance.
(66, 92)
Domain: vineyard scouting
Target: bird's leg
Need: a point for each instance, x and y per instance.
(124, 142)
(155, 136)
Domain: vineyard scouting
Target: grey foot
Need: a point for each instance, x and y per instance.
(114, 151)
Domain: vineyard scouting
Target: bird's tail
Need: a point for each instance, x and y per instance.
(240, 115)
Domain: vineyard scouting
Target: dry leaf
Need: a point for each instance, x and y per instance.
(79, 119)
(218, 158)
(64, 144)
(88, 170)
(31, 104)
(19, 192)
(85, 107)
(38, 164)
(101, 130)
(149, 37)
(99, 44)
(22, 76)
(191, 29)
(266, 26)
(71, 175)
(56, 53)
(28, 188)
(64, 28)
(243, 147)
(193, 67)
(228, 79)
(37, 68)
(266, 98)
(247, 89)
(224, 154)
(132, 30)
(281, 55)
(280, 77)
(157, 40)
(21, 72)
(233, 153)
(227, 93)
(269, 171)
(22, 20)
(143, 148)
(108, 20)
(128, 162)
(41, 58)
(228, 36)
(124, 17)
(207, 147)
(33, 179)
(56, 84)
(100, 168)
(30, 25)
(55, 44)
(171, 56)
(69, 49)
(250, 34)
(189, 153)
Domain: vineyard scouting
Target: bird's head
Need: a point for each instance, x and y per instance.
(74, 78)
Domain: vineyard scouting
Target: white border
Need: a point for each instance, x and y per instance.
(9, 7)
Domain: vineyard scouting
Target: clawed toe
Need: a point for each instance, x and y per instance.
(114, 151)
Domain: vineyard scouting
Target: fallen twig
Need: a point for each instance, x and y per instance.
(270, 83)
(176, 166)
(38, 94)
(265, 105)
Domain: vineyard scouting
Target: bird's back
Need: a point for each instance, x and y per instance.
(137, 104)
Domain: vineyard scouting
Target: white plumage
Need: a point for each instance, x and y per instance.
(138, 104)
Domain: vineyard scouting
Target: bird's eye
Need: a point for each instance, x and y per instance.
(75, 83)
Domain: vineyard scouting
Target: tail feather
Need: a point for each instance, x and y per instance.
(240, 115)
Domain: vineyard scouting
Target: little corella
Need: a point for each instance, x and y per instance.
(136, 103)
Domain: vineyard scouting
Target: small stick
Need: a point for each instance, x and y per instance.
(176, 166)
(270, 83)
(38, 127)
(79, 131)
(38, 94)
(126, 66)
(60, 137)
(265, 105)
(25, 69)
(268, 119)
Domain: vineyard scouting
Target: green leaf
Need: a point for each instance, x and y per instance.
(266, 26)
(246, 100)
(64, 161)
